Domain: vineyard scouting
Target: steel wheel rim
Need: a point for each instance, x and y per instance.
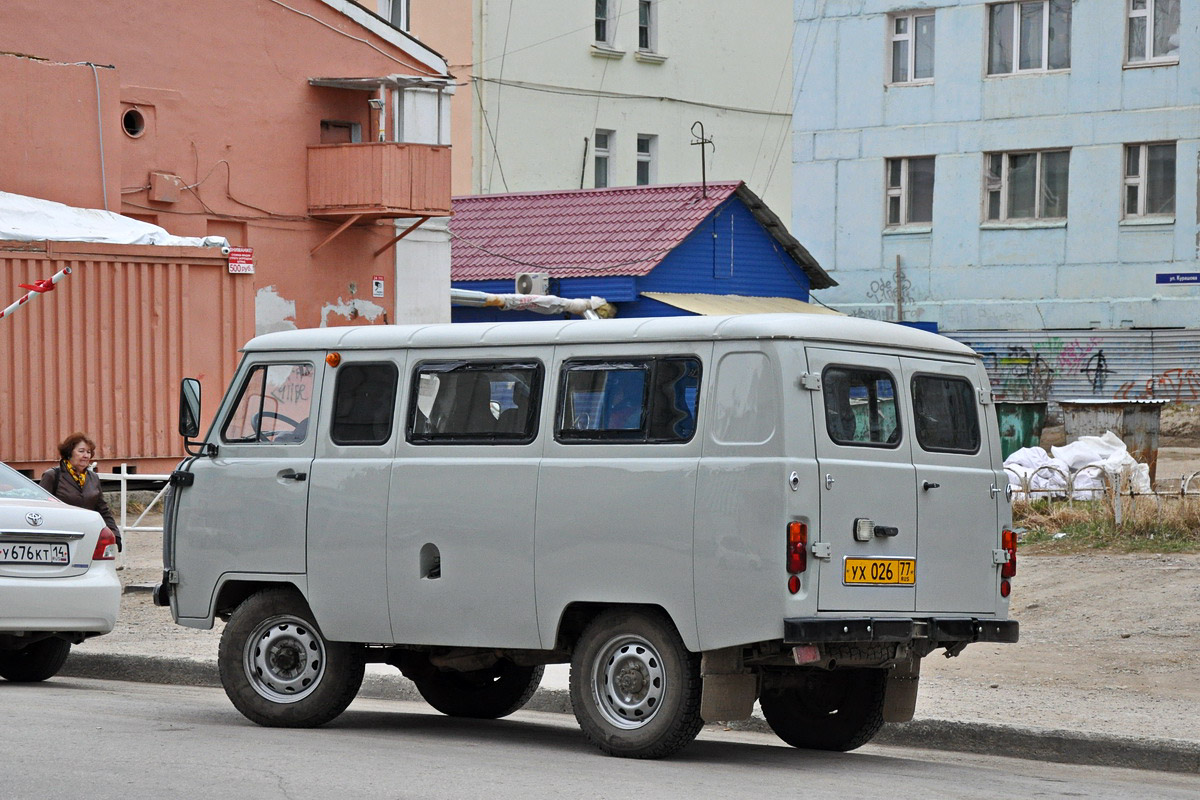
(284, 659)
(628, 682)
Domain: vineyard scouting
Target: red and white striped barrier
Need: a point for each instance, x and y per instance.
(36, 288)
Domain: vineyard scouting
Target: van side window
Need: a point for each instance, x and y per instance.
(273, 405)
(860, 406)
(946, 414)
(638, 400)
(364, 403)
(475, 402)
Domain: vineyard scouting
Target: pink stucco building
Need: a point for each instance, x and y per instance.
(310, 131)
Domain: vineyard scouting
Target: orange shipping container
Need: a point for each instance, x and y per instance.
(104, 352)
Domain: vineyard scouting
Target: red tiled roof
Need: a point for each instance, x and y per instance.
(576, 233)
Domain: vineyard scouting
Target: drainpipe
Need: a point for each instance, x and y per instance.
(899, 290)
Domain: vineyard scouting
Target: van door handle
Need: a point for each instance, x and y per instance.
(927, 485)
(292, 475)
(886, 530)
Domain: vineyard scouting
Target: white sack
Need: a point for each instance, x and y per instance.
(29, 219)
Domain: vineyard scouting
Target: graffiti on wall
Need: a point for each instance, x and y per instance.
(1176, 385)
(1020, 372)
(1065, 367)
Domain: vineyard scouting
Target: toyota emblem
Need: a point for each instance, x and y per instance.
(33, 519)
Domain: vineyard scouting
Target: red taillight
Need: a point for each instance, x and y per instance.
(797, 547)
(1008, 540)
(106, 546)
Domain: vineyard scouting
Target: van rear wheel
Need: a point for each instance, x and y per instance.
(491, 693)
(277, 667)
(838, 710)
(34, 662)
(635, 688)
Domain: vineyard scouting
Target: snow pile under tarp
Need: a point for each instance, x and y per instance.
(1079, 466)
(29, 219)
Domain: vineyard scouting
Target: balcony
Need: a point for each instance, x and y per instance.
(377, 180)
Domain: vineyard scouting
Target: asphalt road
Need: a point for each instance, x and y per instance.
(74, 737)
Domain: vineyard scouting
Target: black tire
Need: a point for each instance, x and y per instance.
(489, 693)
(635, 688)
(278, 668)
(34, 662)
(838, 710)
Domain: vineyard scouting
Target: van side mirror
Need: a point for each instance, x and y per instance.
(189, 408)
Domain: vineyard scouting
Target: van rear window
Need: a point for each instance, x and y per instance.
(946, 414)
(629, 401)
(475, 402)
(860, 406)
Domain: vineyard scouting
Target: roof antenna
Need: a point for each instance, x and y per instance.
(698, 138)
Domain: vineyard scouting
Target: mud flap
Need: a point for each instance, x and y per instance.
(900, 699)
(728, 691)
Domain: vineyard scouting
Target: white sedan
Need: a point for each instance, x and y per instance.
(58, 580)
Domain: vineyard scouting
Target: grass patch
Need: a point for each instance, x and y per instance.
(1157, 524)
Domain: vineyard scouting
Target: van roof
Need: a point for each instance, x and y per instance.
(808, 327)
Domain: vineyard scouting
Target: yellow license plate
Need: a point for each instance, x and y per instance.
(880, 572)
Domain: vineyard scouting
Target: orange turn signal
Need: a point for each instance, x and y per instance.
(333, 359)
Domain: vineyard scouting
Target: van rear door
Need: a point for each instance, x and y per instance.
(868, 505)
(956, 487)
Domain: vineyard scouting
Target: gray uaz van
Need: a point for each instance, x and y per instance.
(695, 513)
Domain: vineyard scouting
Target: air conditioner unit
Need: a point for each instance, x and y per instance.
(533, 283)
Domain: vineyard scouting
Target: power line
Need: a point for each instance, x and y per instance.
(611, 95)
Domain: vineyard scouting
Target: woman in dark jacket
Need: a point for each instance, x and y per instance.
(72, 483)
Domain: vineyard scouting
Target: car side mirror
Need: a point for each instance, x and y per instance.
(189, 408)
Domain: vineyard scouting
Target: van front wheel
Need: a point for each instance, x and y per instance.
(635, 688)
(278, 668)
(838, 710)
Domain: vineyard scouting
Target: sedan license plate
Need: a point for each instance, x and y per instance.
(880, 572)
(34, 553)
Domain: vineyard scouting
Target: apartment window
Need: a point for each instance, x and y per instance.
(912, 47)
(397, 13)
(601, 150)
(647, 25)
(604, 23)
(1030, 185)
(1025, 37)
(1150, 180)
(1153, 32)
(909, 190)
(646, 147)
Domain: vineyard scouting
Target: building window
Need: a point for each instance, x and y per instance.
(647, 25)
(396, 12)
(646, 147)
(912, 47)
(1025, 37)
(601, 150)
(604, 23)
(1030, 185)
(1149, 180)
(1153, 33)
(909, 190)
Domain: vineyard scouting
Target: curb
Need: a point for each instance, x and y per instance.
(1036, 744)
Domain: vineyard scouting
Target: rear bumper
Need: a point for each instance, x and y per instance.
(940, 630)
(86, 603)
